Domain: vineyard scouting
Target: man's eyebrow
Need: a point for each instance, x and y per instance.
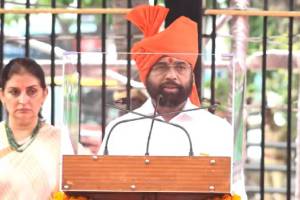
(175, 62)
(180, 61)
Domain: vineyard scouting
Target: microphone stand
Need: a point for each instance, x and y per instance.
(152, 123)
(168, 113)
(191, 152)
(116, 124)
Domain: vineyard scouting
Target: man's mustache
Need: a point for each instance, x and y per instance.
(170, 83)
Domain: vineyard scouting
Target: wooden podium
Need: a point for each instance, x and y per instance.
(146, 177)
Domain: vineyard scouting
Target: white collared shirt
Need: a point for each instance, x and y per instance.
(210, 134)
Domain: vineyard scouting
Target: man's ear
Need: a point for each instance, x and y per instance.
(193, 77)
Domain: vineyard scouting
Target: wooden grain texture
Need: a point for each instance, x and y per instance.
(132, 174)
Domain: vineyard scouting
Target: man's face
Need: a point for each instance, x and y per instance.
(172, 78)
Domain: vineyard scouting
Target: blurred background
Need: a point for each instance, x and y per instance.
(266, 50)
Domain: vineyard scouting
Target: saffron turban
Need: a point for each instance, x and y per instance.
(179, 40)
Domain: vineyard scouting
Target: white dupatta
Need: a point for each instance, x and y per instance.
(34, 173)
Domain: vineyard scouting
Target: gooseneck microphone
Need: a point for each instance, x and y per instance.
(191, 153)
(152, 123)
(121, 122)
(106, 152)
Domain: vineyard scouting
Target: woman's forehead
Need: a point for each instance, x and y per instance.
(22, 79)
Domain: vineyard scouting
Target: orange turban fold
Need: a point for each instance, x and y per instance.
(179, 40)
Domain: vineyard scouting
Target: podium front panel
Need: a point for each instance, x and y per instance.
(138, 174)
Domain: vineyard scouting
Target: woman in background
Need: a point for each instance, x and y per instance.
(29, 147)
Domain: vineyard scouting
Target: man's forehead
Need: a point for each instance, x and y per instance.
(170, 59)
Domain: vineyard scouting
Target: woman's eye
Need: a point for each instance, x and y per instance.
(14, 92)
(31, 92)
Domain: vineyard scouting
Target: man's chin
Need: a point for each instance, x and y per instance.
(170, 93)
(171, 101)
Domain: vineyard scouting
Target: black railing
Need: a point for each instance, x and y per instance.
(52, 58)
(261, 168)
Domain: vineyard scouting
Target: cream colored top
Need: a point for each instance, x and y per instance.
(32, 174)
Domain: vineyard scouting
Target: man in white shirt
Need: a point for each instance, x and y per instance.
(168, 76)
(210, 134)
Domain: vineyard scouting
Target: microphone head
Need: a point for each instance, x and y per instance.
(212, 109)
(159, 99)
(121, 101)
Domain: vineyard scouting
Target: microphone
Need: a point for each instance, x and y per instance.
(120, 122)
(124, 101)
(152, 123)
(121, 101)
(191, 153)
